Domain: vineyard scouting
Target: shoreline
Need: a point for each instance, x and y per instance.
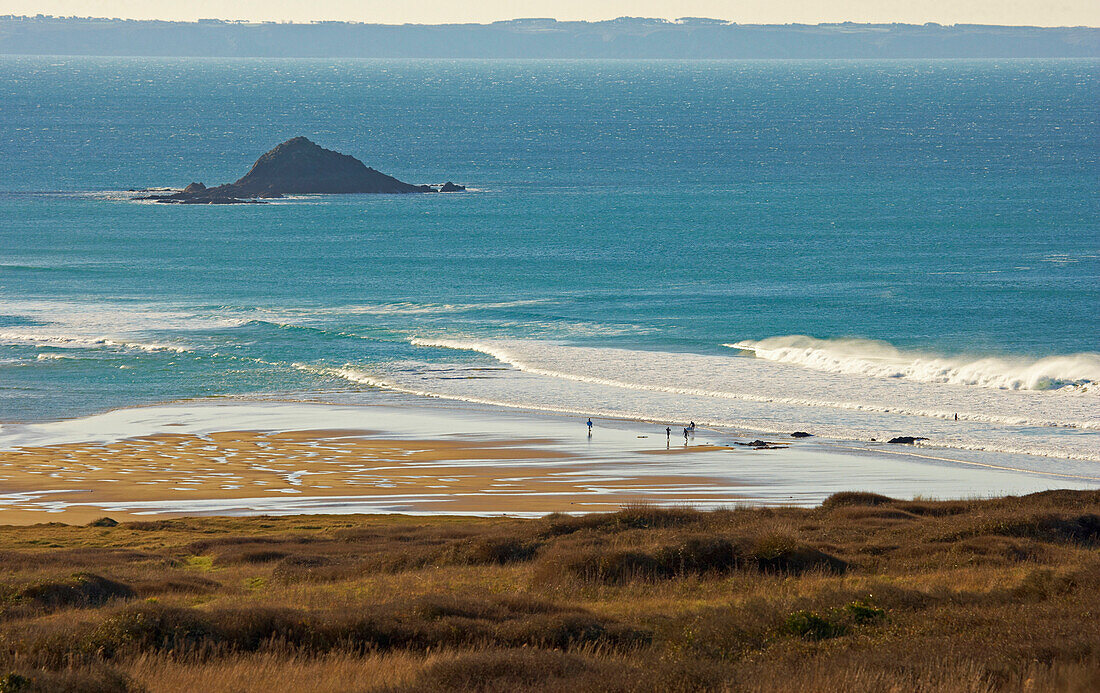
(242, 457)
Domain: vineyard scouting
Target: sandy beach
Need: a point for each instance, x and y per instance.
(243, 458)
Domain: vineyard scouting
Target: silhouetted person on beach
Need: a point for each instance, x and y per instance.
(668, 432)
(692, 427)
(956, 417)
(686, 431)
(590, 427)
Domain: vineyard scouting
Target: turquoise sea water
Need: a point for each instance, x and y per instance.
(642, 239)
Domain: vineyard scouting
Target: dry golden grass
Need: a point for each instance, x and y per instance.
(863, 593)
(278, 672)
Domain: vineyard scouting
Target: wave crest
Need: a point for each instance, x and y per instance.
(868, 357)
(90, 342)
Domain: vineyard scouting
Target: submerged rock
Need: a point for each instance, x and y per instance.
(762, 445)
(801, 434)
(905, 440)
(298, 167)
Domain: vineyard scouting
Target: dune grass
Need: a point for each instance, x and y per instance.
(862, 593)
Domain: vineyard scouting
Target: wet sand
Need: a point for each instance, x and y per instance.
(250, 467)
(278, 458)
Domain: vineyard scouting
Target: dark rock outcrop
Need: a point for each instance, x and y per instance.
(762, 445)
(905, 440)
(801, 434)
(299, 167)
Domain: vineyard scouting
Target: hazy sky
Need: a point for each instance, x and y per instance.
(1037, 12)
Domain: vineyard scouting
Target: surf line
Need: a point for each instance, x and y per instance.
(973, 464)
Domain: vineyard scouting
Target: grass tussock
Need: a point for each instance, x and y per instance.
(700, 556)
(848, 498)
(862, 593)
(78, 590)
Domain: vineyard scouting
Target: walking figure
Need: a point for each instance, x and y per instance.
(590, 428)
(668, 432)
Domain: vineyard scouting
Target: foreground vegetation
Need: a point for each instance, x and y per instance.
(863, 593)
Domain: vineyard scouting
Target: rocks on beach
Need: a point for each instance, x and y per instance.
(299, 167)
(905, 440)
(762, 445)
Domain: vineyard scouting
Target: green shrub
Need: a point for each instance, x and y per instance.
(861, 612)
(14, 683)
(812, 626)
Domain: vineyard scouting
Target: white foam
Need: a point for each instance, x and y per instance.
(758, 395)
(106, 324)
(400, 308)
(61, 341)
(879, 359)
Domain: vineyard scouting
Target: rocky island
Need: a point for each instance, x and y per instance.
(298, 167)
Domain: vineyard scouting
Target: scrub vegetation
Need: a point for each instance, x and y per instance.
(862, 593)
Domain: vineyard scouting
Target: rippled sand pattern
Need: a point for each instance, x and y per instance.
(317, 470)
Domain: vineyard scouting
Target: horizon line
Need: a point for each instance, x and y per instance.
(679, 21)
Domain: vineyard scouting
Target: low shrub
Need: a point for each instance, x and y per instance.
(862, 612)
(80, 590)
(15, 683)
(259, 556)
(1081, 529)
(639, 516)
(488, 551)
(98, 679)
(502, 670)
(305, 569)
(432, 608)
(848, 498)
(429, 624)
(147, 627)
(693, 556)
(812, 626)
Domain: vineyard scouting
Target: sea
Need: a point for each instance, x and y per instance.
(857, 249)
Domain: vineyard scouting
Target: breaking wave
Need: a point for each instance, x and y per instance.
(749, 394)
(70, 342)
(1077, 372)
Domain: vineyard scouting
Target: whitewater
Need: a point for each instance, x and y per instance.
(754, 394)
(880, 359)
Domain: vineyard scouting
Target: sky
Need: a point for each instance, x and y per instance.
(1027, 12)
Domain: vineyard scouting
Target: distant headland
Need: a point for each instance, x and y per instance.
(625, 37)
(298, 167)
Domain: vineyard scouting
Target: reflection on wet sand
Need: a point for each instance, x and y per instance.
(189, 474)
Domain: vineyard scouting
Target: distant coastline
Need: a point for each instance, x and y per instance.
(623, 38)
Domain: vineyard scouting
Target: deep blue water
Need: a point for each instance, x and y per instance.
(948, 208)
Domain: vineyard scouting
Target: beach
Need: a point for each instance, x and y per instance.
(434, 458)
